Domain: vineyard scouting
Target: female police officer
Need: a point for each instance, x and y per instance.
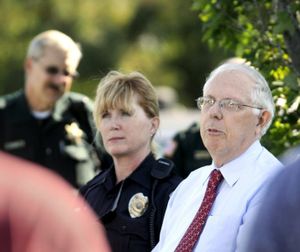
(130, 197)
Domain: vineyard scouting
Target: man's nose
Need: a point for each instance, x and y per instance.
(215, 111)
(60, 78)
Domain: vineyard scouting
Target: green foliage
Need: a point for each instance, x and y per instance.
(267, 34)
(165, 46)
(126, 35)
(98, 26)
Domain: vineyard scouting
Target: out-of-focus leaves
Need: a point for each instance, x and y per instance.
(266, 33)
(162, 39)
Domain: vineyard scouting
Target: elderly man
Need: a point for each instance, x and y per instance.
(46, 123)
(212, 210)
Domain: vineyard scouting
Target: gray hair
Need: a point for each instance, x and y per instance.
(54, 39)
(261, 94)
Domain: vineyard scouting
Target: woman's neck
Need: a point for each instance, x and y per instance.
(125, 165)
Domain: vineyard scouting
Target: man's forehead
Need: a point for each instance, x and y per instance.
(59, 56)
(234, 79)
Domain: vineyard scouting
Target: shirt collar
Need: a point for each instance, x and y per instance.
(109, 180)
(140, 175)
(233, 170)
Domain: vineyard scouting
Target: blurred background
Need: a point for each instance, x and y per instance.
(174, 43)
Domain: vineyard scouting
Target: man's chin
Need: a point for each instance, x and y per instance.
(52, 99)
(213, 147)
(54, 94)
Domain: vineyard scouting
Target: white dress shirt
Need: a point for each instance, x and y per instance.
(239, 196)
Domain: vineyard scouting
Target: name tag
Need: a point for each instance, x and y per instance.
(14, 145)
(202, 154)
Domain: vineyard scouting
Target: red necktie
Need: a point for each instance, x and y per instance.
(192, 234)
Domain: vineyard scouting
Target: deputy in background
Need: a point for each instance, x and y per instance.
(130, 197)
(187, 151)
(45, 123)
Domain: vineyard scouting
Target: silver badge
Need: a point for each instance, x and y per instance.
(138, 205)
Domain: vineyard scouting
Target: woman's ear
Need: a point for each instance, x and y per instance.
(154, 125)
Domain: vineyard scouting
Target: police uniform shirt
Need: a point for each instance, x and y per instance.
(63, 142)
(190, 152)
(125, 209)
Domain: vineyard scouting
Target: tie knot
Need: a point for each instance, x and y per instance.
(216, 177)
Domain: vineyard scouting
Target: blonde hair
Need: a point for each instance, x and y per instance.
(116, 90)
(54, 39)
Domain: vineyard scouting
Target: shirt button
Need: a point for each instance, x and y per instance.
(124, 227)
(48, 151)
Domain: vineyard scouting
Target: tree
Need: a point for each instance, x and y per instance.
(127, 35)
(166, 46)
(266, 33)
(96, 25)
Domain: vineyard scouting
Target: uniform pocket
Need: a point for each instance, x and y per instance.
(129, 235)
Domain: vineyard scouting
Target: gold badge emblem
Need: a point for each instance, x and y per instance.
(74, 133)
(138, 205)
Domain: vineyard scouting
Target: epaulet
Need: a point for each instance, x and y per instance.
(76, 98)
(97, 180)
(162, 168)
(9, 99)
(3, 103)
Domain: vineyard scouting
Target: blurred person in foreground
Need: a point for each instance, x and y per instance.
(46, 123)
(130, 198)
(39, 212)
(277, 225)
(213, 209)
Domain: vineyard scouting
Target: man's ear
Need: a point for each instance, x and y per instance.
(27, 64)
(263, 119)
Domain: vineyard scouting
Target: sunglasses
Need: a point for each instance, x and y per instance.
(53, 70)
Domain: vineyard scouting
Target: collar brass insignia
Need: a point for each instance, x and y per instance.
(138, 205)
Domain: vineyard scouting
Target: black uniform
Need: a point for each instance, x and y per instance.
(132, 211)
(63, 142)
(190, 152)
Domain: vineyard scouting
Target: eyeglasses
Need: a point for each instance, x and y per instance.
(53, 70)
(227, 104)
